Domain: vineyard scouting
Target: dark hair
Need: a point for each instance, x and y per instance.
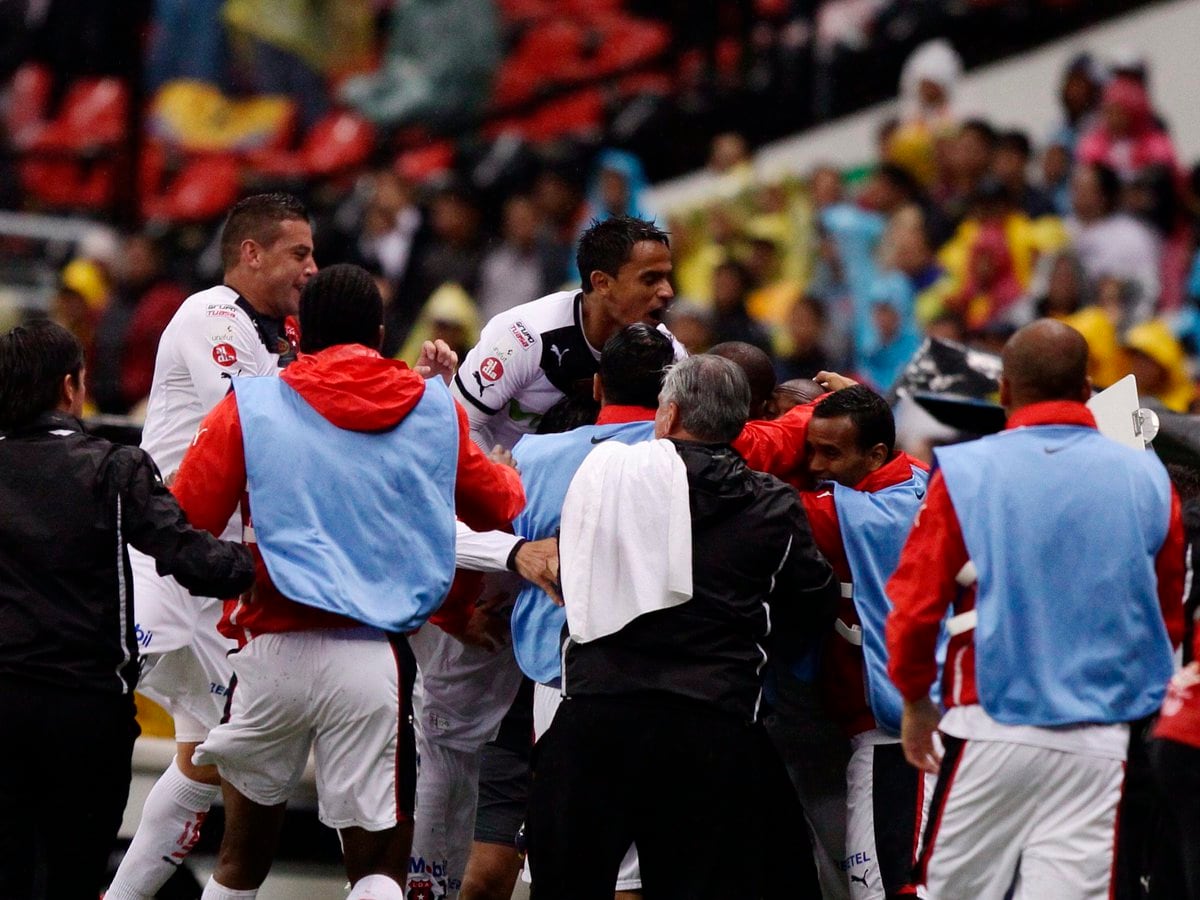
(34, 359)
(743, 275)
(340, 305)
(867, 410)
(569, 413)
(257, 218)
(607, 245)
(815, 304)
(982, 128)
(1015, 140)
(900, 178)
(1109, 183)
(633, 363)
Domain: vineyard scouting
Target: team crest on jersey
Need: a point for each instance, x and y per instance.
(521, 333)
(224, 355)
(491, 369)
(420, 888)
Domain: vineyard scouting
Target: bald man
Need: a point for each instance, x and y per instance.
(758, 369)
(1061, 554)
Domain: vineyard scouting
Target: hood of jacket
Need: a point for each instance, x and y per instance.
(354, 387)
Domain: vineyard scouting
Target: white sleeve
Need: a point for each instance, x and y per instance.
(218, 349)
(496, 370)
(483, 551)
(680, 350)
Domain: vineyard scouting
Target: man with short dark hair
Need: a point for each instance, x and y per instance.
(533, 354)
(238, 328)
(527, 359)
(344, 457)
(70, 505)
(866, 496)
(678, 562)
(1061, 553)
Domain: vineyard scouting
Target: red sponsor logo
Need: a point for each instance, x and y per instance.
(521, 333)
(224, 355)
(491, 369)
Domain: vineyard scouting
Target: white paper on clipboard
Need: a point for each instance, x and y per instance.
(1115, 409)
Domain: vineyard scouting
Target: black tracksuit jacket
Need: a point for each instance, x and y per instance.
(756, 575)
(70, 503)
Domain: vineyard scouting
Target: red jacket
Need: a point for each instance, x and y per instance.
(354, 388)
(924, 585)
(842, 676)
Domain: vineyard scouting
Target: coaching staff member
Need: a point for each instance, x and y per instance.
(70, 504)
(655, 741)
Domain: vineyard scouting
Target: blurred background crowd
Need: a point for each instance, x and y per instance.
(456, 148)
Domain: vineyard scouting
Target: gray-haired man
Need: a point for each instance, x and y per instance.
(661, 680)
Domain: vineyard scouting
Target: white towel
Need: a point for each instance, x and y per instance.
(625, 542)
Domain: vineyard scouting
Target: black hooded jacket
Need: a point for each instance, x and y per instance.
(70, 503)
(756, 573)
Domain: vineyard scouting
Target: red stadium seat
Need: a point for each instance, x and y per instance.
(422, 163)
(339, 141)
(28, 103)
(202, 192)
(628, 43)
(92, 117)
(580, 114)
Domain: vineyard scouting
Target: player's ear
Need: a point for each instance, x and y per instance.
(600, 281)
(250, 252)
(597, 388)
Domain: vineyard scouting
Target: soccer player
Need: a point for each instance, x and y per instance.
(1062, 636)
(238, 328)
(347, 458)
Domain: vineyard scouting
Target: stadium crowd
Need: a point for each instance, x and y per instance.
(630, 486)
(962, 231)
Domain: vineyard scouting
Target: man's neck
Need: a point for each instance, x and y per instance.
(237, 282)
(597, 326)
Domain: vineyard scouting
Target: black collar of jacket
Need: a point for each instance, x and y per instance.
(51, 420)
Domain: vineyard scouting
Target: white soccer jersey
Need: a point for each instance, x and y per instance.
(527, 359)
(213, 337)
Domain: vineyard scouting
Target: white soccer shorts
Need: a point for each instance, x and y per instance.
(336, 692)
(1041, 822)
(887, 804)
(185, 665)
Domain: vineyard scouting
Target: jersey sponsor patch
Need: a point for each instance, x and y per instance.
(522, 334)
(491, 369)
(224, 355)
(213, 311)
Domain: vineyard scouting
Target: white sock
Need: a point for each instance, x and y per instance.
(170, 826)
(214, 891)
(375, 887)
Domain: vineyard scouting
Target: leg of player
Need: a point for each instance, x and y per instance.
(247, 848)
(377, 852)
(491, 873)
(175, 809)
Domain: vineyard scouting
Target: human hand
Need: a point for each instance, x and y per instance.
(487, 626)
(537, 561)
(917, 727)
(504, 457)
(437, 359)
(833, 381)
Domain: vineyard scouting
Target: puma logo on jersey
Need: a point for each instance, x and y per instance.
(479, 381)
(559, 354)
(862, 880)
